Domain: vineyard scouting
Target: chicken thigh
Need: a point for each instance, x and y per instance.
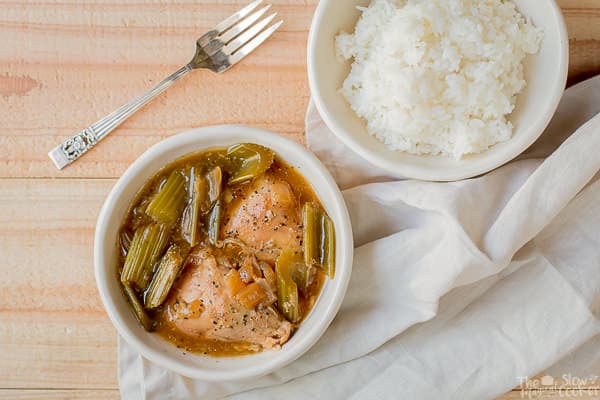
(200, 305)
(266, 217)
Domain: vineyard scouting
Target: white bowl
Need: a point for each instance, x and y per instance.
(545, 72)
(168, 355)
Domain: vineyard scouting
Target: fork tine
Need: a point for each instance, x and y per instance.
(253, 44)
(237, 16)
(243, 25)
(247, 35)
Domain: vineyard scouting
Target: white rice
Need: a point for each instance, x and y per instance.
(438, 76)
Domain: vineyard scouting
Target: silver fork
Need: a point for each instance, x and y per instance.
(217, 50)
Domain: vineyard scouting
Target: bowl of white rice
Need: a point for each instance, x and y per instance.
(437, 90)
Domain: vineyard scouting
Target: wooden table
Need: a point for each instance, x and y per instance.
(62, 66)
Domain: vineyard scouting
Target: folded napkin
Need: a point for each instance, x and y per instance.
(459, 290)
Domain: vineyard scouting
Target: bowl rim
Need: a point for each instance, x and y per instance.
(406, 170)
(283, 356)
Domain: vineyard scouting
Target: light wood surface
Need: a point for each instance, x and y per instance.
(65, 64)
(45, 394)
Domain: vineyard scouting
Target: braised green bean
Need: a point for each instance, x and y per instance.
(214, 223)
(137, 308)
(328, 259)
(146, 247)
(167, 204)
(287, 290)
(301, 273)
(312, 217)
(253, 161)
(164, 277)
(199, 189)
(318, 239)
(215, 184)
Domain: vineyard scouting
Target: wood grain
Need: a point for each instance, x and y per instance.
(70, 64)
(583, 24)
(563, 394)
(53, 330)
(7, 394)
(65, 64)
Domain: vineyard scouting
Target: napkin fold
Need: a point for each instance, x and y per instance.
(459, 290)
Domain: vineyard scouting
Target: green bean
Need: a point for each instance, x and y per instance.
(312, 217)
(138, 309)
(287, 290)
(168, 269)
(328, 259)
(167, 204)
(319, 239)
(198, 188)
(300, 273)
(214, 223)
(215, 184)
(218, 158)
(146, 247)
(136, 256)
(303, 275)
(253, 160)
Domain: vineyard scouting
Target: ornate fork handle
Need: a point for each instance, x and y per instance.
(77, 145)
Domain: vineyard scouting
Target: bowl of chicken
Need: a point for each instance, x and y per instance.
(223, 253)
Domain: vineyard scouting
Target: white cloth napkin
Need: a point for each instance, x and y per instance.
(459, 290)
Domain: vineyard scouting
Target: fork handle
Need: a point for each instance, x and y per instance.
(77, 145)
